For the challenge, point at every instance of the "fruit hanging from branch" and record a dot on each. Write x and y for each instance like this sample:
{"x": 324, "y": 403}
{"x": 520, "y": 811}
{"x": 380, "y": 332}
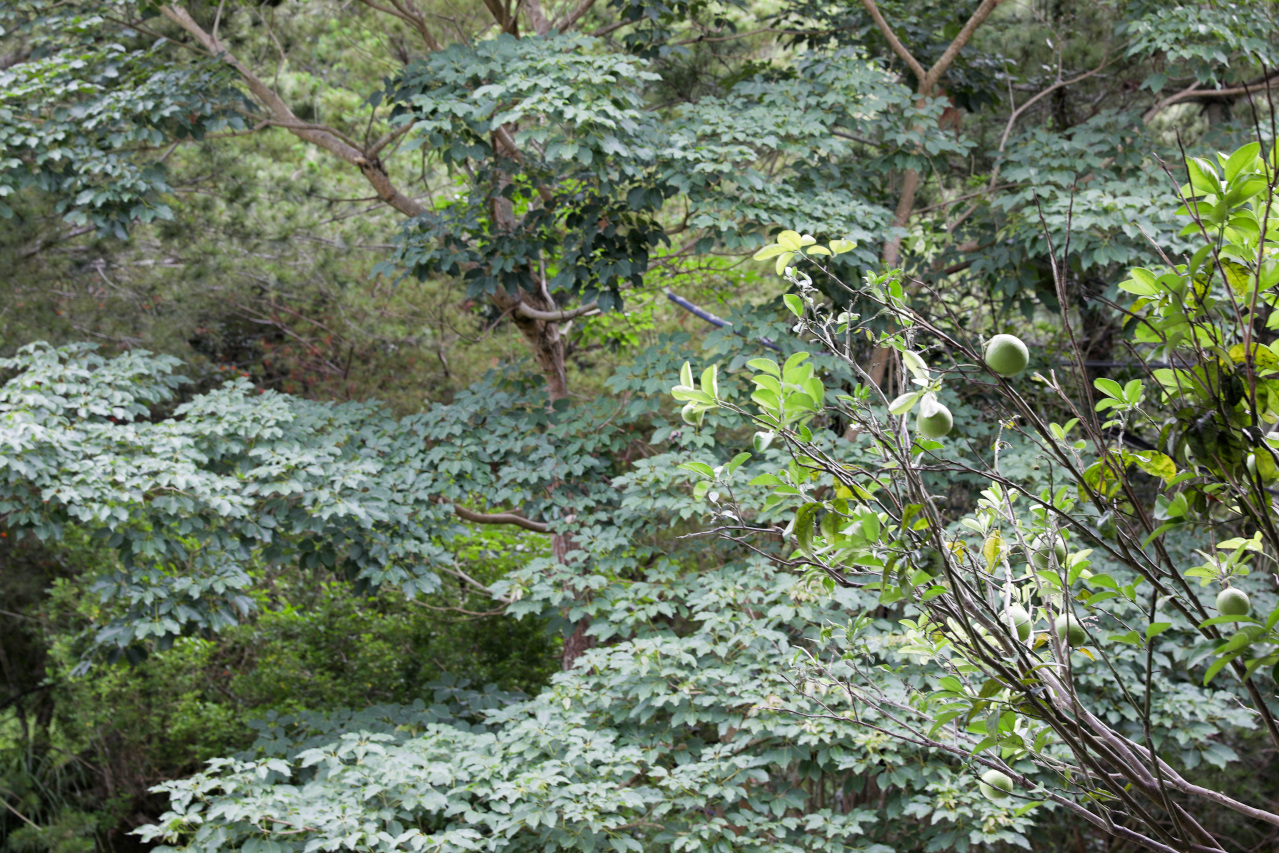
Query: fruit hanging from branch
{"x": 935, "y": 420}
{"x": 1007, "y": 355}
{"x": 995, "y": 785}
{"x": 1069, "y": 631}
{"x": 1019, "y": 618}
{"x": 1233, "y": 602}
{"x": 1039, "y": 552}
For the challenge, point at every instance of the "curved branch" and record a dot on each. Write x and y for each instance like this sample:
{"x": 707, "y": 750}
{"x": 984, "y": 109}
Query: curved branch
{"x": 894, "y": 42}
{"x": 563, "y": 24}
{"x": 525, "y": 310}
{"x": 410, "y": 16}
{"x": 500, "y": 518}
{"x": 327, "y": 138}
{"x": 943, "y": 62}
{"x": 1194, "y": 93}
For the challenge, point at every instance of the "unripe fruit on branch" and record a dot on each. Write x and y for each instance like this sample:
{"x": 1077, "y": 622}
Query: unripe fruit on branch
{"x": 1233, "y": 602}
{"x": 995, "y": 785}
{"x": 1020, "y": 620}
{"x": 935, "y": 420}
{"x": 1007, "y": 355}
{"x": 1069, "y": 631}
{"x": 1039, "y": 552}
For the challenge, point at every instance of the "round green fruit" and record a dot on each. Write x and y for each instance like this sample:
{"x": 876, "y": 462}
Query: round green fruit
{"x": 995, "y": 785}
{"x": 936, "y": 423}
{"x": 930, "y": 561}
{"x": 1069, "y": 631}
{"x": 1039, "y": 552}
{"x": 1233, "y": 602}
{"x": 1007, "y": 355}
{"x": 1020, "y": 620}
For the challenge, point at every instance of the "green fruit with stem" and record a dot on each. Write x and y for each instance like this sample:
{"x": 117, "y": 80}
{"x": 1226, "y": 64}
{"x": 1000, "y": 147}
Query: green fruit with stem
{"x": 1233, "y": 602}
{"x": 995, "y": 785}
{"x": 1069, "y": 631}
{"x": 1039, "y": 552}
{"x": 1007, "y": 355}
{"x": 935, "y": 420}
{"x": 1017, "y": 616}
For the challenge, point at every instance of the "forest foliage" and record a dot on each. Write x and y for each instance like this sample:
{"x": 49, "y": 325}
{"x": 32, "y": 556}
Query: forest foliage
{"x": 357, "y": 488}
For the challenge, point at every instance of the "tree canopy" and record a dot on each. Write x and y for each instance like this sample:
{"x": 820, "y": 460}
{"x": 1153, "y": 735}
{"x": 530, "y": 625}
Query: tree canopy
{"x": 338, "y": 446}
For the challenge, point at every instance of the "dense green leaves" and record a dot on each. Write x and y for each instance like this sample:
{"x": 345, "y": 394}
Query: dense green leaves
{"x": 86, "y": 122}
{"x": 234, "y": 475}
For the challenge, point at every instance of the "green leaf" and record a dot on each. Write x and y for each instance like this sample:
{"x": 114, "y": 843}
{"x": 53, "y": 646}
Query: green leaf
{"x": 1243, "y": 158}
{"x": 1218, "y": 665}
{"x": 790, "y": 241}
{"x": 767, "y": 365}
{"x": 770, "y": 251}
{"x": 805, "y": 528}
{"x": 699, "y": 468}
{"x": 903, "y": 404}
{"x": 795, "y": 304}
{"x": 1156, "y": 464}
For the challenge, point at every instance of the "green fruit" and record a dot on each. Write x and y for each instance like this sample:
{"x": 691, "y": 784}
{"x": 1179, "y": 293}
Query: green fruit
{"x": 935, "y": 423}
{"x": 1069, "y": 631}
{"x": 1039, "y": 552}
{"x": 1007, "y": 355}
{"x": 1020, "y": 620}
{"x": 1233, "y": 602}
{"x": 930, "y": 561}
{"x": 995, "y": 785}
{"x": 691, "y": 415}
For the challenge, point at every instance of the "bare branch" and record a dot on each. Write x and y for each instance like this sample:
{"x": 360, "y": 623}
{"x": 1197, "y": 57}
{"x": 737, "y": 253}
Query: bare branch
{"x": 389, "y": 138}
{"x": 410, "y": 16}
{"x": 327, "y": 138}
{"x": 1194, "y": 93}
{"x": 943, "y": 62}
{"x": 565, "y": 23}
{"x": 1016, "y": 114}
{"x": 500, "y": 518}
{"x": 894, "y": 42}
{"x": 524, "y": 309}
{"x": 536, "y": 17}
